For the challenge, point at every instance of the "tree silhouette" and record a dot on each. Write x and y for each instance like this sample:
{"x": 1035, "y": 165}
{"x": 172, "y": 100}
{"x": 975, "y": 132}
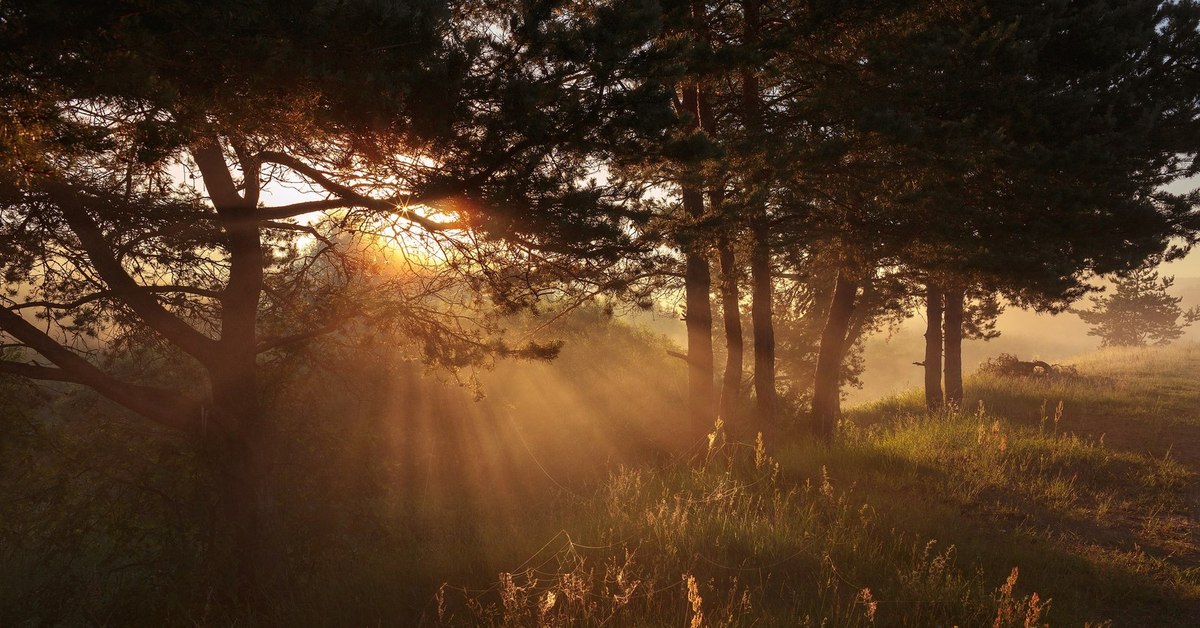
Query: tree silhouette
{"x": 1140, "y": 311}
{"x": 144, "y": 147}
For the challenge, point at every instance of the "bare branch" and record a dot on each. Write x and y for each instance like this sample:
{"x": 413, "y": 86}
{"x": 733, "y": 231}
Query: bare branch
{"x": 299, "y": 209}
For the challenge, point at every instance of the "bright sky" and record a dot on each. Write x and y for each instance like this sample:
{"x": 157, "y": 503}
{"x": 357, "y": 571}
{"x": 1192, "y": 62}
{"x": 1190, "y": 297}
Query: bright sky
{"x": 1189, "y": 266}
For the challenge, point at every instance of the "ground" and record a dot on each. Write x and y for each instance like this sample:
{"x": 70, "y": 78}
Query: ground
{"x": 561, "y": 500}
{"x": 1069, "y": 501}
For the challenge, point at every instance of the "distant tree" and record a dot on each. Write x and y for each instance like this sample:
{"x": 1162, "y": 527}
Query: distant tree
{"x": 1140, "y": 311}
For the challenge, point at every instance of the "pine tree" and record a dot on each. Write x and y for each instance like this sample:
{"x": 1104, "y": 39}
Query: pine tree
{"x": 1140, "y": 311}
{"x": 410, "y": 117}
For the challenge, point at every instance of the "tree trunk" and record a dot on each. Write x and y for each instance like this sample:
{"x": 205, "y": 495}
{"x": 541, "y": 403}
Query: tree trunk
{"x": 241, "y": 461}
{"x": 700, "y": 347}
{"x": 235, "y": 395}
{"x": 697, "y": 285}
{"x": 764, "y": 329}
{"x": 953, "y": 342}
{"x": 766, "y": 398}
{"x": 933, "y": 348}
{"x": 731, "y": 315}
{"x": 244, "y": 441}
{"x": 731, "y": 385}
{"x": 827, "y": 379}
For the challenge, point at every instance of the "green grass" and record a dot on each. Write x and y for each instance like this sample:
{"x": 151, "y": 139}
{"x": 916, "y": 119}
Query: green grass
{"x": 906, "y": 520}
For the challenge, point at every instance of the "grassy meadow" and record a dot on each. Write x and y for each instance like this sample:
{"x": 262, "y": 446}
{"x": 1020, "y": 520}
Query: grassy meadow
{"x": 1063, "y": 501}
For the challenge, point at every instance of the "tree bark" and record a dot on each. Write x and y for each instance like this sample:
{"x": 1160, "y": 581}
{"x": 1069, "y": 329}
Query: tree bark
{"x": 933, "y": 348}
{"x": 731, "y": 385}
{"x": 826, "y": 402}
{"x": 953, "y": 343}
{"x": 766, "y": 397}
{"x": 241, "y": 460}
{"x": 245, "y": 441}
{"x": 731, "y": 315}
{"x": 697, "y": 286}
{"x": 764, "y": 327}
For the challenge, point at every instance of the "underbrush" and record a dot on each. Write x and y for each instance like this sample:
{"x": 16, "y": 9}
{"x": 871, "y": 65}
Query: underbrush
{"x": 961, "y": 518}
{"x": 729, "y": 540}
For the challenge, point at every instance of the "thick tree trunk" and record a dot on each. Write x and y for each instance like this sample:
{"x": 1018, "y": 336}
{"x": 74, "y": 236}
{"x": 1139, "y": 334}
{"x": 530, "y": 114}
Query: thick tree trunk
{"x": 697, "y": 285}
{"x": 244, "y": 442}
{"x": 827, "y": 379}
{"x": 953, "y": 342}
{"x": 933, "y": 348}
{"x": 731, "y": 384}
{"x": 235, "y": 396}
{"x": 241, "y": 460}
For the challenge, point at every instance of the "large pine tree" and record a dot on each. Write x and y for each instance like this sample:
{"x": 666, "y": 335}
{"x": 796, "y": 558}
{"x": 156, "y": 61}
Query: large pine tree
{"x": 144, "y": 144}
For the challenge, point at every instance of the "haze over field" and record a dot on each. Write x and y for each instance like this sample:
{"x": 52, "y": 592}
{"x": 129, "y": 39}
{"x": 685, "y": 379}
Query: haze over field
{"x": 1029, "y": 335}
{"x": 1026, "y": 334}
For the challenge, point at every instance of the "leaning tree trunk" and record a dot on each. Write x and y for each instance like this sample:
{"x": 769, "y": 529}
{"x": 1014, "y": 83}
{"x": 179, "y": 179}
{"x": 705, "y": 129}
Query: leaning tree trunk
{"x": 953, "y": 342}
{"x": 933, "y": 348}
{"x": 697, "y": 285}
{"x": 826, "y": 381}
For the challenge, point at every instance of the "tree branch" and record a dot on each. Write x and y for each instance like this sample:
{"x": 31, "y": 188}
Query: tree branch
{"x": 395, "y": 205}
{"x": 96, "y": 296}
{"x": 166, "y": 407}
{"x": 35, "y": 371}
{"x": 299, "y": 209}
{"x": 143, "y": 303}
{"x": 217, "y": 179}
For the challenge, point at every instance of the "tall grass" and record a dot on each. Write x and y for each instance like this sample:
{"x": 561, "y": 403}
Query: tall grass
{"x": 1017, "y": 511}
{"x": 728, "y": 539}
